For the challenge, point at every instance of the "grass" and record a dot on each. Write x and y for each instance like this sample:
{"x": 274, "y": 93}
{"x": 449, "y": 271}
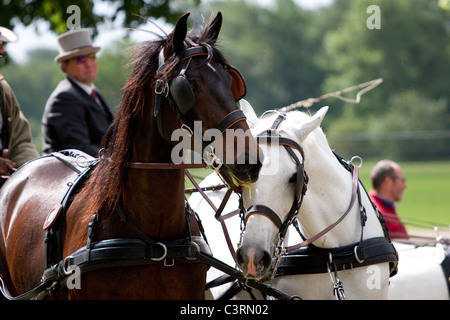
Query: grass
{"x": 427, "y": 196}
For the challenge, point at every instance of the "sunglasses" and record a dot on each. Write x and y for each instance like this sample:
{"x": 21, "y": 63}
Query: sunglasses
{"x": 82, "y": 59}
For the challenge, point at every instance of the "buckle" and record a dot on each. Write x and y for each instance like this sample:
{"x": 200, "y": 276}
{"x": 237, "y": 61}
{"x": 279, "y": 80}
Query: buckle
{"x": 162, "y": 87}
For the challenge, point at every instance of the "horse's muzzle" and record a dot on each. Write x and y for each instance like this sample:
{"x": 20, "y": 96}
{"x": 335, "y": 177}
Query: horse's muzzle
{"x": 243, "y": 172}
{"x": 254, "y": 263}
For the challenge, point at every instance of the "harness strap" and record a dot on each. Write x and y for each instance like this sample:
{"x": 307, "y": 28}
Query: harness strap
{"x": 149, "y": 241}
{"x": 282, "y": 141}
{"x": 132, "y": 252}
{"x": 157, "y": 165}
{"x": 312, "y": 259}
{"x": 230, "y": 120}
{"x": 119, "y": 253}
{"x": 67, "y": 163}
{"x": 195, "y": 51}
{"x": 327, "y": 229}
{"x": 265, "y": 211}
{"x": 53, "y": 247}
{"x": 223, "y": 204}
{"x": 35, "y": 293}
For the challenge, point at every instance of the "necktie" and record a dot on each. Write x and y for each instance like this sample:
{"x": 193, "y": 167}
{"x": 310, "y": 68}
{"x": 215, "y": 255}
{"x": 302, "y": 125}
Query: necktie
{"x": 94, "y": 94}
{"x": 99, "y": 103}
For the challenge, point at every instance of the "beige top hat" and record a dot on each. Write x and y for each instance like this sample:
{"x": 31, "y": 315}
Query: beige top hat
{"x": 75, "y": 43}
{"x": 7, "y": 35}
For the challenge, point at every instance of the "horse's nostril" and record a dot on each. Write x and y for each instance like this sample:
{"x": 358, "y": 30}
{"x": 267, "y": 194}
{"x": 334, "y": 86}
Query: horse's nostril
{"x": 266, "y": 260}
{"x": 239, "y": 258}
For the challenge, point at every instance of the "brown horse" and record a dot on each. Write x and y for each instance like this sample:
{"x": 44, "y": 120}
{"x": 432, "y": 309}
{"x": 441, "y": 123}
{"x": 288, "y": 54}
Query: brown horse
{"x": 127, "y": 176}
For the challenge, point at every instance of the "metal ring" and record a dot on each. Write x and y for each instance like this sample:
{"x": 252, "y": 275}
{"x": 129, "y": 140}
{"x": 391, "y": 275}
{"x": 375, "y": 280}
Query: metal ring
{"x": 357, "y": 158}
{"x": 84, "y": 163}
{"x": 163, "y": 256}
{"x": 356, "y": 254}
{"x": 100, "y": 153}
{"x": 197, "y": 247}
{"x": 162, "y": 87}
{"x": 187, "y": 128}
{"x": 63, "y": 267}
{"x": 213, "y": 161}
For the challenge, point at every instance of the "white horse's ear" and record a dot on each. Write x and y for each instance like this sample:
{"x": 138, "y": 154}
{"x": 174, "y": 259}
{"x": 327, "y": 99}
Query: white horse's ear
{"x": 307, "y": 127}
{"x": 252, "y": 118}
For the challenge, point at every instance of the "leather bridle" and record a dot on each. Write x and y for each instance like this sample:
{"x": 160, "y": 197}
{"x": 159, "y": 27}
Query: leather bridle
{"x": 272, "y": 137}
{"x": 171, "y": 91}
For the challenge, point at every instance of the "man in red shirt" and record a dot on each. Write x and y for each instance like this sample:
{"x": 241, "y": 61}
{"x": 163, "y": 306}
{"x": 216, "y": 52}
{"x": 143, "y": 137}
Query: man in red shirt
{"x": 389, "y": 182}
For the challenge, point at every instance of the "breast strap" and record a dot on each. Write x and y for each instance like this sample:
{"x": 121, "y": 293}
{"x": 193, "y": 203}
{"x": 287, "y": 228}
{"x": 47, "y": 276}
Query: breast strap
{"x": 312, "y": 259}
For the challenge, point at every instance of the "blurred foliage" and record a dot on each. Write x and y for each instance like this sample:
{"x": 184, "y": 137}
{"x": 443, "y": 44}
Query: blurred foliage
{"x": 287, "y": 53}
{"x": 55, "y": 11}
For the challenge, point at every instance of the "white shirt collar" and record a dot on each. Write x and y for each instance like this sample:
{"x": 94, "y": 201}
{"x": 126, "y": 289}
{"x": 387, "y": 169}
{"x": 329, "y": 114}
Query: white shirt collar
{"x": 84, "y": 86}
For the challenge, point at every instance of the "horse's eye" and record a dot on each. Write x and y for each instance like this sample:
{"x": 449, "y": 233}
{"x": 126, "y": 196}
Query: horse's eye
{"x": 194, "y": 84}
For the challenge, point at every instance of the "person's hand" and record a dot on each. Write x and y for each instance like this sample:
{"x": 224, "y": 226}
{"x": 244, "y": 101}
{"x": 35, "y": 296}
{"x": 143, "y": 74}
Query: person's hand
{"x": 5, "y": 166}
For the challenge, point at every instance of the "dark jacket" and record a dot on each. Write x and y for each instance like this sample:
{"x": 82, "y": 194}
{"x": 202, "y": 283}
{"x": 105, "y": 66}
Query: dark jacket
{"x": 74, "y": 120}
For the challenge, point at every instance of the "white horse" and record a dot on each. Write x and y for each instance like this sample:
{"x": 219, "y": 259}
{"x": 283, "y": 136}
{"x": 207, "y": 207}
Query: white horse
{"x": 329, "y": 195}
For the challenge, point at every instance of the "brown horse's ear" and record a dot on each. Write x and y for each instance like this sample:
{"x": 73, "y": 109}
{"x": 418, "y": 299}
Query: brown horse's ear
{"x": 179, "y": 33}
{"x": 211, "y": 32}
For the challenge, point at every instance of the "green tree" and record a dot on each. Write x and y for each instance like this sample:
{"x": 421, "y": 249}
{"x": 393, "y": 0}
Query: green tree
{"x": 415, "y": 128}
{"x": 274, "y": 48}
{"x": 411, "y": 53}
{"x": 55, "y": 11}
{"x": 410, "y": 50}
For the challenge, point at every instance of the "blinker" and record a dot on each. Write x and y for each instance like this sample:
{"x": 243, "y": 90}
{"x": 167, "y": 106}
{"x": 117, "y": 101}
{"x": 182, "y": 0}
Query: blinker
{"x": 182, "y": 93}
{"x": 181, "y": 89}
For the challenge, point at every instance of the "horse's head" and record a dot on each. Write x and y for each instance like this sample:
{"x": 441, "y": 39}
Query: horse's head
{"x": 273, "y": 201}
{"x": 196, "y": 84}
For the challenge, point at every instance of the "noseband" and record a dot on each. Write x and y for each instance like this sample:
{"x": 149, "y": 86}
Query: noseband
{"x": 301, "y": 183}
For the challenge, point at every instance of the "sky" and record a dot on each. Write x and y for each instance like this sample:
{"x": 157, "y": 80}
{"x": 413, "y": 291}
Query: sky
{"x": 30, "y": 39}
